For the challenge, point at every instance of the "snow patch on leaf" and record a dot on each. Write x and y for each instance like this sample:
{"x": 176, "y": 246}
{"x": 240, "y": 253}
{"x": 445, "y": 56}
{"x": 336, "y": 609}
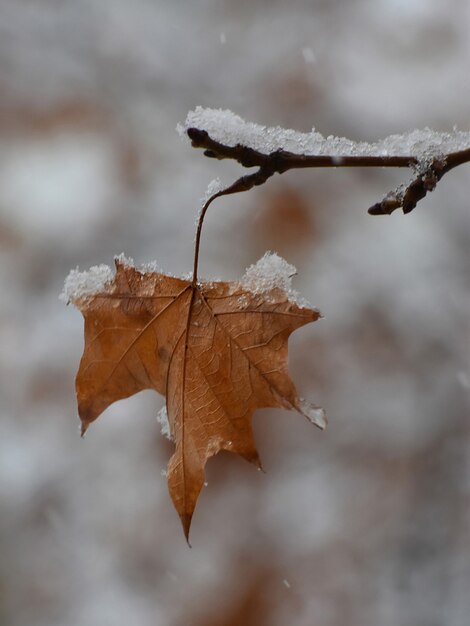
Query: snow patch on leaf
{"x": 272, "y": 272}
{"x": 98, "y": 278}
{"x": 151, "y": 266}
{"x": 162, "y": 419}
{"x": 82, "y": 284}
{"x": 127, "y": 261}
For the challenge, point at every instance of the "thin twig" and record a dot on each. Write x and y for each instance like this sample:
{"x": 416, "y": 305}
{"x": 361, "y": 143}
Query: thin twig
{"x": 281, "y": 161}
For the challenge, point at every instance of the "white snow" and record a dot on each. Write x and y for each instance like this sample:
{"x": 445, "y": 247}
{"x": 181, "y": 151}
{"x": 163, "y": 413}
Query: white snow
{"x": 230, "y": 129}
{"x": 272, "y": 272}
{"x": 96, "y": 280}
{"x": 81, "y": 284}
{"x": 267, "y": 273}
{"x": 162, "y": 419}
{"x": 127, "y": 261}
{"x": 212, "y": 188}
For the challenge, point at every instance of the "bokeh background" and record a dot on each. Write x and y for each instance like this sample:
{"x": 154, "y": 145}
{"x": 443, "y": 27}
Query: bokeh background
{"x": 367, "y": 524}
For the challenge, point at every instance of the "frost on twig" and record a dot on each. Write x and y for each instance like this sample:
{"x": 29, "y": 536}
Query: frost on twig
{"x": 224, "y": 135}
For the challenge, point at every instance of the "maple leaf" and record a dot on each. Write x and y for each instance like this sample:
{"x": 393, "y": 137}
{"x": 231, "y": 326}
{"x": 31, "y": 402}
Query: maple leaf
{"x": 215, "y": 350}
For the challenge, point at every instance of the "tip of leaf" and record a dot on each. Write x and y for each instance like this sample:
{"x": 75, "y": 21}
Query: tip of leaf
{"x": 259, "y": 465}
{"x": 83, "y": 429}
{"x": 186, "y": 522}
{"x": 251, "y": 455}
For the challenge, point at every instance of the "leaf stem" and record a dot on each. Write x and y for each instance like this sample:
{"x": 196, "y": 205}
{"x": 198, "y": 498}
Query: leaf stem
{"x": 197, "y": 242}
{"x": 244, "y": 183}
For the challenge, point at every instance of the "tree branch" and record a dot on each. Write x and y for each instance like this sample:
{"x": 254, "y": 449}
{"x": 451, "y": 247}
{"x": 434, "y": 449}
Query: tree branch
{"x": 427, "y": 174}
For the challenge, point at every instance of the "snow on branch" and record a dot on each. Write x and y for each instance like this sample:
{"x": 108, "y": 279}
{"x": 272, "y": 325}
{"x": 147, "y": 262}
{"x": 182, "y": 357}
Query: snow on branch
{"x": 224, "y": 135}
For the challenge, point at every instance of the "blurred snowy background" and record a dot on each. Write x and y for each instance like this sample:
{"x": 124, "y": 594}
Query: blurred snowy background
{"x": 367, "y": 524}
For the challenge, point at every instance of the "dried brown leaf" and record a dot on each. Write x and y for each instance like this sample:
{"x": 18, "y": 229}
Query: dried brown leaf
{"x": 215, "y": 350}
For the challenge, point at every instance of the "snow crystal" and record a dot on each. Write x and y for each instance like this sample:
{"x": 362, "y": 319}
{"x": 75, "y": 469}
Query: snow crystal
{"x": 314, "y": 414}
{"x": 212, "y": 188}
{"x": 230, "y": 129}
{"x": 162, "y": 419}
{"x": 269, "y": 272}
{"x": 272, "y": 272}
{"x": 151, "y": 266}
{"x": 286, "y": 583}
{"x": 81, "y": 284}
{"x": 98, "y": 278}
{"x": 127, "y": 261}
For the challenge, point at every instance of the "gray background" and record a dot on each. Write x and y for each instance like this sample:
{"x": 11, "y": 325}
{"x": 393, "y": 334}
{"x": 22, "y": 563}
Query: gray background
{"x": 366, "y": 524}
